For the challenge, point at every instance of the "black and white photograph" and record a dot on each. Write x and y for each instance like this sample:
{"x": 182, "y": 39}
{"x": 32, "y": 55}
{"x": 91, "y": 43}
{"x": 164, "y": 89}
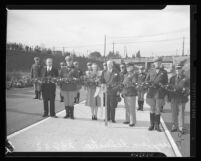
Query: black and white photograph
{"x": 99, "y": 81}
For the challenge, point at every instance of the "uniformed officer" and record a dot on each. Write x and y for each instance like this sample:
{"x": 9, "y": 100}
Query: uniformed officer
{"x": 112, "y": 80}
{"x": 79, "y": 85}
{"x": 130, "y": 93}
{"x": 178, "y": 101}
{"x": 49, "y": 88}
{"x": 62, "y": 65}
{"x": 104, "y": 70}
{"x": 122, "y": 74}
{"x": 69, "y": 87}
{"x": 155, "y": 95}
{"x": 35, "y": 74}
{"x": 140, "y": 89}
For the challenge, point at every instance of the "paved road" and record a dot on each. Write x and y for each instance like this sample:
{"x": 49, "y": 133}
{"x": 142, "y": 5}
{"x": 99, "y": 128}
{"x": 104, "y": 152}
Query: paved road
{"x": 182, "y": 141}
{"x": 23, "y": 110}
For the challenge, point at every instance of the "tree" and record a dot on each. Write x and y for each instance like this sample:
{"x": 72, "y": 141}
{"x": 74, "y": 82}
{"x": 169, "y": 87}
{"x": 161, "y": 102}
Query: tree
{"x": 138, "y": 54}
{"x": 112, "y": 55}
{"x": 95, "y": 55}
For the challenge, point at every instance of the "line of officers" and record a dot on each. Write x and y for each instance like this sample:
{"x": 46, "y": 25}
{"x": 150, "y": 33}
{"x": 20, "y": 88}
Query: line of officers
{"x": 117, "y": 83}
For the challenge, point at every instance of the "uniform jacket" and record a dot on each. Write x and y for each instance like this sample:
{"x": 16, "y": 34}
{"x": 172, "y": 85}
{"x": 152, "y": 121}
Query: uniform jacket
{"x": 69, "y": 72}
{"x": 129, "y": 79}
{"x": 156, "y": 78}
{"x": 140, "y": 79}
{"x": 112, "y": 80}
{"x": 179, "y": 84}
{"x": 36, "y": 71}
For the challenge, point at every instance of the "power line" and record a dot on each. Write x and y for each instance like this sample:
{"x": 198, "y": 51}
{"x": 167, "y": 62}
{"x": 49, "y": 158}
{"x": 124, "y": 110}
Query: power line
{"x": 149, "y": 41}
{"x": 82, "y": 46}
{"x": 164, "y": 33}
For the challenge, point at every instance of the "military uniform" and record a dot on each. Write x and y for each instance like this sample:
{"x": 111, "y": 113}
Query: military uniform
{"x": 178, "y": 101}
{"x": 61, "y": 66}
{"x": 155, "y": 95}
{"x": 130, "y": 92}
{"x": 36, "y": 74}
{"x": 69, "y": 89}
{"x": 79, "y": 85}
{"x": 112, "y": 81}
{"x": 141, "y": 91}
{"x": 122, "y": 74}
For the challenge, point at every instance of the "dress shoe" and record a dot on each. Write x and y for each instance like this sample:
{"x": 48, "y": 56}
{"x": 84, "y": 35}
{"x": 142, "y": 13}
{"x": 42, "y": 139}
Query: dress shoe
{"x": 54, "y": 116}
{"x": 126, "y": 122}
{"x": 173, "y": 129}
{"x": 113, "y": 121}
{"x": 45, "y": 115}
{"x": 95, "y": 118}
{"x": 131, "y": 125}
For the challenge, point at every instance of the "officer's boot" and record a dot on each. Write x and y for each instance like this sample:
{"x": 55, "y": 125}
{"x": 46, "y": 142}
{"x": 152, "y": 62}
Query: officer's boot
{"x": 157, "y": 123}
{"x": 36, "y": 95}
{"x": 67, "y": 112}
{"x": 72, "y": 112}
{"x": 138, "y": 105}
{"x": 142, "y": 105}
{"x": 152, "y": 118}
{"x": 39, "y": 95}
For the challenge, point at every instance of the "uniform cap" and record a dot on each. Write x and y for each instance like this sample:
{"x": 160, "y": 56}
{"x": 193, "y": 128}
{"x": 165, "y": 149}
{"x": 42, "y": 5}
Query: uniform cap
{"x": 104, "y": 64}
{"x": 36, "y": 58}
{"x": 88, "y": 64}
{"x": 62, "y": 63}
{"x": 179, "y": 65}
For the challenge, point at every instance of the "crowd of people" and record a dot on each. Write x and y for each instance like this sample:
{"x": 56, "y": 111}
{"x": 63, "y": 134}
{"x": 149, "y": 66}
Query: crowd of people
{"x": 130, "y": 84}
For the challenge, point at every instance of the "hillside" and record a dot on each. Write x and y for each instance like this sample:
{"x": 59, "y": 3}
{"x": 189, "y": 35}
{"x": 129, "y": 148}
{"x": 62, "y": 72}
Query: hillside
{"x": 22, "y": 61}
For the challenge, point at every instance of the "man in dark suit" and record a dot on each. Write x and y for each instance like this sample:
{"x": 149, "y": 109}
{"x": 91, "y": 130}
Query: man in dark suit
{"x": 112, "y": 80}
{"x": 36, "y": 74}
{"x": 49, "y": 88}
{"x": 156, "y": 94}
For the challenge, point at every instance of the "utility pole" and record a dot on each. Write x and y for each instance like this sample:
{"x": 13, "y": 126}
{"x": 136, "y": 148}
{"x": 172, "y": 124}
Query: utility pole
{"x": 183, "y": 47}
{"x": 113, "y": 47}
{"x": 63, "y": 51}
{"x": 105, "y": 47}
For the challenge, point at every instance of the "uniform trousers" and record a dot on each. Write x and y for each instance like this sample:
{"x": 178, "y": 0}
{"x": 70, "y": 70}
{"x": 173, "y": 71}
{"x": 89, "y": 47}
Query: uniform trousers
{"x": 177, "y": 108}
{"x": 140, "y": 94}
{"x": 155, "y": 103}
{"x": 68, "y": 97}
{"x": 130, "y": 104}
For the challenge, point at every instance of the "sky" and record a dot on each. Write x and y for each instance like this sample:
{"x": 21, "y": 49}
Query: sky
{"x": 153, "y": 32}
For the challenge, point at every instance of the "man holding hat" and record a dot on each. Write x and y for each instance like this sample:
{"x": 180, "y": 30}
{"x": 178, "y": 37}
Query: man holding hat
{"x": 130, "y": 92}
{"x": 122, "y": 74}
{"x": 35, "y": 74}
{"x": 69, "y": 87}
{"x": 179, "y": 82}
{"x": 155, "y": 95}
{"x": 140, "y": 89}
